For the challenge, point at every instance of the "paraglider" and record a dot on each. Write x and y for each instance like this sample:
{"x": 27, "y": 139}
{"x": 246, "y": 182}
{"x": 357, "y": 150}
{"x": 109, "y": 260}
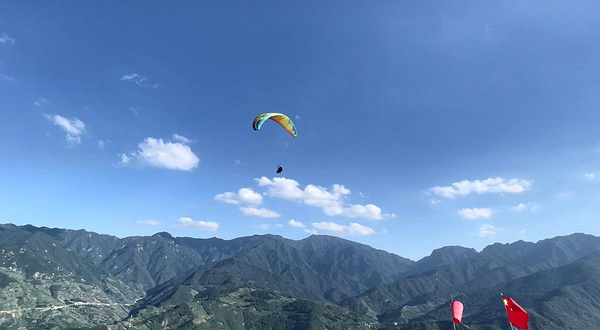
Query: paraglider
{"x": 283, "y": 120}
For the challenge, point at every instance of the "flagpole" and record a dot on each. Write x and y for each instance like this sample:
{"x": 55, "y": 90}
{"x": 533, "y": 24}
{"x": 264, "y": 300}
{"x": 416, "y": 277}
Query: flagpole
{"x": 506, "y": 310}
{"x": 511, "y": 326}
{"x": 451, "y": 301}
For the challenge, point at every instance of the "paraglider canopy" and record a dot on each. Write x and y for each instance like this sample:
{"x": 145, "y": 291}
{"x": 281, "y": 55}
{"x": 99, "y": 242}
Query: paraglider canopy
{"x": 283, "y": 120}
{"x": 457, "y": 311}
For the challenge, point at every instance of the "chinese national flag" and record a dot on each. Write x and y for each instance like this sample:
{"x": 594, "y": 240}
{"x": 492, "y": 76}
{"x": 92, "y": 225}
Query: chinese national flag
{"x": 517, "y": 316}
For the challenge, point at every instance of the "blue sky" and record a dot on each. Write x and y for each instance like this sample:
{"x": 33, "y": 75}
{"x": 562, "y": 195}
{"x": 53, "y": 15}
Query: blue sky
{"x": 391, "y": 100}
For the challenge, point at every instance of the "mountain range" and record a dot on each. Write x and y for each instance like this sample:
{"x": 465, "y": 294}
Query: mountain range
{"x": 54, "y": 278}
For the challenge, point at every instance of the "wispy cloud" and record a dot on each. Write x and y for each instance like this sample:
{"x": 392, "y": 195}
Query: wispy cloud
{"x": 296, "y": 224}
{"x": 134, "y": 111}
{"x": 147, "y": 223}
{"x": 181, "y": 139}
{"x": 434, "y": 201}
{"x": 5, "y": 39}
{"x": 331, "y": 201}
{"x": 243, "y": 196}
{"x": 475, "y": 213}
{"x": 41, "y": 101}
{"x": 297, "y": 117}
{"x": 189, "y": 223}
{"x": 354, "y": 229}
{"x": 488, "y": 230}
{"x": 532, "y": 207}
{"x": 130, "y": 76}
{"x": 590, "y": 176}
{"x": 522, "y": 232}
{"x": 491, "y": 185}
{"x": 6, "y": 78}
{"x": 565, "y": 194}
{"x": 139, "y": 80}
{"x": 73, "y": 127}
{"x": 262, "y": 226}
{"x": 158, "y": 153}
{"x": 259, "y": 212}
{"x": 101, "y": 144}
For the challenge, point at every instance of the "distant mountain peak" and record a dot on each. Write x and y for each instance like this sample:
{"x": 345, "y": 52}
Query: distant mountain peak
{"x": 163, "y": 234}
{"x": 454, "y": 250}
{"x": 503, "y": 248}
{"x": 443, "y": 256}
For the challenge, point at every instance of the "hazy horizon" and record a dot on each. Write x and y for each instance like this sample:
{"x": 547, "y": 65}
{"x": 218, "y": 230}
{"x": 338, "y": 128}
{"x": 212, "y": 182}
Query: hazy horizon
{"x": 345, "y": 238}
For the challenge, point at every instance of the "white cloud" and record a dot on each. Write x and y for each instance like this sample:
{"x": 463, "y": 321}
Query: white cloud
{"x": 532, "y": 207}
{"x": 243, "y": 196}
{"x": 6, "y": 39}
{"x": 491, "y": 185}
{"x": 125, "y": 160}
{"x": 157, "y": 153}
{"x": 297, "y": 117}
{"x": 332, "y": 202}
{"x": 263, "y": 226}
{"x": 368, "y": 211}
{"x": 130, "y": 76}
{"x": 296, "y": 224}
{"x": 237, "y": 161}
{"x": 278, "y": 225}
{"x": 101, "y": 144}
{"x": 147, "y": 223}
{"x": 73, "y": 127}
{"x": 522, "y": 232}
{"x": 311, "y": 231}
{"x": 181, "y": 139}
{"x": 7, "y": 78}
{"x": 134, "y": 110}
{"x": 261, "y": 212}
{"x": 475, "y": 213}
{"x": 354, "y": 229}
{"x": 140, "y": 80}
{"x": 40, "y": 101}
{"x": 590, "y": 176}
{"x": 183, "y": 223}
{"x": 434, "y": 201}
{"x": 488, "y": 230}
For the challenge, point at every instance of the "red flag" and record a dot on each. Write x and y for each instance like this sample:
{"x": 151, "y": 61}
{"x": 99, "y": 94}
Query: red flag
{"x": 517, "y": 316}
{"x": 457, "y": 310}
